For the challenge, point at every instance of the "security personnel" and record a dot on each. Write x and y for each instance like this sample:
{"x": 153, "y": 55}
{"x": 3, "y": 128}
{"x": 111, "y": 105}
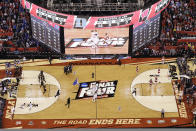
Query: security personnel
{"x": 162, "y": 113}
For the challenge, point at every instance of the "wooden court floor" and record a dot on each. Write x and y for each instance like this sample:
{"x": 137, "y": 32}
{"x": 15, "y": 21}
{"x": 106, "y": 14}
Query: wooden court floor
{"x": 122, "y": 105}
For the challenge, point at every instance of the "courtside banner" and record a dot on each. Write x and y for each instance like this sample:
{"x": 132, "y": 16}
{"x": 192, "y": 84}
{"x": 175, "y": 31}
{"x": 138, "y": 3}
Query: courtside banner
{"x": 85, "y": 22}
{"x": 103, "y": 88}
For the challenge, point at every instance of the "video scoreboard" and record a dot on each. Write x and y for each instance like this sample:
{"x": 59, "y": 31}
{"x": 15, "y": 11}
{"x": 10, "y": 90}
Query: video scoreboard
{"x": 46, "y": 33}
{"x": 145, "y": 32}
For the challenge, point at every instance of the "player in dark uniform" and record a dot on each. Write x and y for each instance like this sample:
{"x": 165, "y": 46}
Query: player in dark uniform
{"x": 93, "y": 74}
{"x": 42, "y": 80}
{"x": 57, "y": 93}
{"x": 68, "y": 102}
{"x": 134, "y": 91}
{"x": 65, "y": 69}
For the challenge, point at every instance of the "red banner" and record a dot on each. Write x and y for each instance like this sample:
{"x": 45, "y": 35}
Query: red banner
{"x": 85, "y": 22}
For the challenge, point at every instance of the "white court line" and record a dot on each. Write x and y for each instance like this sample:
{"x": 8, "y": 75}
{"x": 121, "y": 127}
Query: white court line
{"x": 31, "y": 77}
{"x": 155, "y": 102}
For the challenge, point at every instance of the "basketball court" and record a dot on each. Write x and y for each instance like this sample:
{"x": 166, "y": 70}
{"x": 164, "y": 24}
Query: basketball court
{"x": 147, "y": 103}
{"x": 124, "y": 104}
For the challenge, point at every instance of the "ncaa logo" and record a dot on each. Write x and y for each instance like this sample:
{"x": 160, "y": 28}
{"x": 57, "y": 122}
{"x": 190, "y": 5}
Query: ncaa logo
{"x": 84, "y": 85}
{"x": 102, "y": 88}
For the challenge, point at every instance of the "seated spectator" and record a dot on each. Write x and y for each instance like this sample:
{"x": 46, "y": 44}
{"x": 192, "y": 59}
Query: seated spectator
{"x": 178, "y": 16}
{"x": 15, "y": 26}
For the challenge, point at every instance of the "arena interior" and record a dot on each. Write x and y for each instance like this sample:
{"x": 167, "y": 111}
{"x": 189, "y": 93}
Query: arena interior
{"x": 97, "y": 64}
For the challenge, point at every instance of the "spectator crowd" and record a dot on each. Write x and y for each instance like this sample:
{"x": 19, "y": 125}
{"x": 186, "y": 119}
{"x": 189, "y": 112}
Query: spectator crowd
{"x": 187, "y": 84}
{"x": 16, "y": 35}
{"x": 15, "y": 28}
{"x": 2, "y": 106}
{"x": 179, "y": 16}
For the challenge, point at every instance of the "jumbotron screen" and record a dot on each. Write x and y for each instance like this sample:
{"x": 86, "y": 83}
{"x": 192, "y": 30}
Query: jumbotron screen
{"x": 145, "y": 32}
{"x": 46, "y": 33}
{"x": 97, "y": 41}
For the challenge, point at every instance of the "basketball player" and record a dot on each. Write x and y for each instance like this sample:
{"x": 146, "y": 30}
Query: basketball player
{"x": 94, "y": 89}
{"x": 95, "y": 96}
{"x": 137, "y": 68}
{"x": 30, "y": 106}
{"x": 41, "y": 78}
{"x": 151, "y": 87}
{"x": 159, "y": 70}
{"x": 44, "y": 87}
{"x": 134, "y": 91}
{"x": 156, "y": 79}
{"x": 57, "y": 93}
{"x": 150, "y": 82}
{"x": 68, "y": 102}
{"x": 93, "y": 74}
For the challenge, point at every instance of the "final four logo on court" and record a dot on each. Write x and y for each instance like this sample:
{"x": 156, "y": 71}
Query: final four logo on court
{"x": 103, "y": 88}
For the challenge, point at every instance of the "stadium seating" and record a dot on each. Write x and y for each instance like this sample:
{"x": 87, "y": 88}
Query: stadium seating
{"x": 15, "y": 28}
{"x": 178, "y": 26}
{"x": 2, "y": 106}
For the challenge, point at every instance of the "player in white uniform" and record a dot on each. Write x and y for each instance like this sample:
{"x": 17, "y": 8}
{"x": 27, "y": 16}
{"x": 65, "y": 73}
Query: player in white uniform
{"x": 95, "y": 96}
{"x": 94, "y": 89}
{"x": 150, "y": 83}
{"x": 30, "y": 106}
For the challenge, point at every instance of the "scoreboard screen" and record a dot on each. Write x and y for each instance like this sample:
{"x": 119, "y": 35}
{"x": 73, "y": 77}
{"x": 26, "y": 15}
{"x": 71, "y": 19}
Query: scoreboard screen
{"x": 98, "y": 41}
{"x": 46, "y": 33}
{"x": 145, "y": 32}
